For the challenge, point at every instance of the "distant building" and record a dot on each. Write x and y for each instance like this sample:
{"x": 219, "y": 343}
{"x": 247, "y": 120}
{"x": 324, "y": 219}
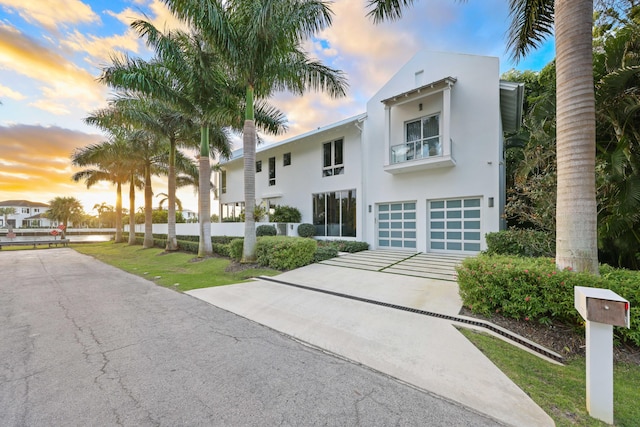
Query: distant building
{"x": 27, "y": 214}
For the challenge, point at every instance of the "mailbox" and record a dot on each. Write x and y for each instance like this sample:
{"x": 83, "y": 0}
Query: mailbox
{"x": 602, "y": 306}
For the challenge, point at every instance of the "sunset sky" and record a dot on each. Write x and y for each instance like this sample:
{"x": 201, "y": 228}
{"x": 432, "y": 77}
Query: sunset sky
{"x": 51, "y": 52}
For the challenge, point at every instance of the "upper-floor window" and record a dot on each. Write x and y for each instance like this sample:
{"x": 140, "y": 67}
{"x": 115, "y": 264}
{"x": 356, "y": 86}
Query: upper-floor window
{"x": 272, "y": 171}
{"x": 259, "y": 166}
{"x": 223, "y": 181}
{"x": 286, "y": 159}
{"x": 36, "y": 210}
{"x": 332, "y": 158}
{"x": 25, "y": 210}
{"x": 422, "y": 140}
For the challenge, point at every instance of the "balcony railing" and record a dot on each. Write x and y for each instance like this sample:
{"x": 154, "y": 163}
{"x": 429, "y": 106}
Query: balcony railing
{"x": 424, "y": 149}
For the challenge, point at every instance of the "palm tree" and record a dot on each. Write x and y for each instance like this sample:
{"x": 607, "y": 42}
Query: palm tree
{"x": 190, "y": 75}
{"x": 531, "y": 22}
{"x": 65, "y": 210}
{"x": 262, "y": 44}
{"x": 139, "y": 110}
{"x": 109, "y": 161}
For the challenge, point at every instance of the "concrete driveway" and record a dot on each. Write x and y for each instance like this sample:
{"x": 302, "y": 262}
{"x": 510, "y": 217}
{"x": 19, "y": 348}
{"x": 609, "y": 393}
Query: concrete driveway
{"x": 426, "y": 352}
{"x": 85, "y": 344}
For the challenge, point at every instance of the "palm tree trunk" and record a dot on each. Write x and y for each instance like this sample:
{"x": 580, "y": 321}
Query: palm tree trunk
{"x": 132, "y": 211}
{"x": 119, "y": 238}
{"x": 576, "y": 214}
{"x": 205, "y": 248}
{"x": 148, "y": 209}
{"x": 249, "y": 153}
{"x": 172, "y": 241}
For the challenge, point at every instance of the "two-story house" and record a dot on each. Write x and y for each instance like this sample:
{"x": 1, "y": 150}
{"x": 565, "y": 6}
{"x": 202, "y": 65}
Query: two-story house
{"x": 422, "y": 169}
{"x": 26, "y": 214}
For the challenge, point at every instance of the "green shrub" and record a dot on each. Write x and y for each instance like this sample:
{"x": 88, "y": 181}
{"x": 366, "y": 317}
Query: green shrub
{"x": 306, "y": 230}
{"x": 188, "y": 246}
{"x": 220, "y": 249}
{"x": 285, "y": 253}
{"x": 323, "y": 253}
{"x": 222, "y": 239}
{"x": 522, "y": 242}
{"x": 235, "y": 249}
{"x": 285, "y": 214}
{"x": 533, "y": 289}
{"x": 266, "y": 230}
{"x": 345, "y": 245}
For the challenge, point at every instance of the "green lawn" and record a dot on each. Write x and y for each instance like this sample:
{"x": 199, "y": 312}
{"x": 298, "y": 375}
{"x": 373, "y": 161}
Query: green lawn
{"x": 176, "y": 270}
{"x": 560, "y": 390}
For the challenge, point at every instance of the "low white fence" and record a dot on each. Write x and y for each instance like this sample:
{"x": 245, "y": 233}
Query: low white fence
{"x": 219, "y": 228}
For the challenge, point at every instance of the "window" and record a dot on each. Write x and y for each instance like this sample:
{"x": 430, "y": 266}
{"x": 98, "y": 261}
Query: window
{"x": 231, "y": 212}
{"x": 223, "y": 182}
{"x": 259, "y": 166}
{"x": 422, "y": 140}
{"x": 25, "y": 210}
{"x": 286, "y": 159}
{"x": 334, "y": 213}
{"x": 36, "y": 210}
{"x": 272, "y": 171}
{"x": 332, "y": 158}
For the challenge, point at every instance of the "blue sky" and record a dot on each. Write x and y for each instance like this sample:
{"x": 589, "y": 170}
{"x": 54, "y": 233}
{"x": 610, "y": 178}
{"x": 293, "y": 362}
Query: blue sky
{"x": 51, "y": 51}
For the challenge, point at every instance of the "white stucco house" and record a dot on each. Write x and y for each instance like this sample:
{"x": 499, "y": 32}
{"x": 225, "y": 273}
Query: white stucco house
{"x": 27, "y": 214}
{"x": 422, "y": 169}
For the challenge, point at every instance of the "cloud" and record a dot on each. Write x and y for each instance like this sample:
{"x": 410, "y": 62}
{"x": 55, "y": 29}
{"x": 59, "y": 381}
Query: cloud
{"x": 51, "y": 14}
{"x": 10, "y": 93}
{"x": 37, "y": 156}
{"x": 160, "y": 16}
{"x": 62, "y": 81}
{"x": 101, "y": 49}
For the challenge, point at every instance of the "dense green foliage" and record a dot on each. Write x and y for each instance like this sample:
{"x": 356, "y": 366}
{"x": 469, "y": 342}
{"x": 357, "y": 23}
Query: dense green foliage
{"x": 306, "y": 230}
{"x": 285, "y": 253}
{"x": 266, "y": 230}
{"x": 235, "y": 249}
{"x": 533, "y": 289}
{"x": 324, "y": 252}
{"x": 531, "y": 154}
{"x": 523, "y": 242}
{"x": 345, "y": 245}
{"x": 285, "y": 214}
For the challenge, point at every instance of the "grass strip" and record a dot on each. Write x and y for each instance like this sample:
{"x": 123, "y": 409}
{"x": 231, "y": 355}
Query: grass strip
{"x": 176, "y": 270}
{"x": 561, "y": 390}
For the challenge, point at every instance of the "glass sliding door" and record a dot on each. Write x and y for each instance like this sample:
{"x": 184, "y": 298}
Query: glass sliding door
{"x": 334, "y": 213}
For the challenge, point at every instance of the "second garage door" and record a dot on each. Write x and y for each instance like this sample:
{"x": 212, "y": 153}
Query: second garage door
{"x": 455, "y": 225}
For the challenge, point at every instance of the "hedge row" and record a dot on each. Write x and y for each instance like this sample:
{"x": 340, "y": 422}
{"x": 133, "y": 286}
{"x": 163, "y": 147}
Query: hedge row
{"x": 533, "y": 289}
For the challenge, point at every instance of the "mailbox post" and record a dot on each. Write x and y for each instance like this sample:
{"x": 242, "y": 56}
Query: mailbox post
{"x": 602, "y": 309}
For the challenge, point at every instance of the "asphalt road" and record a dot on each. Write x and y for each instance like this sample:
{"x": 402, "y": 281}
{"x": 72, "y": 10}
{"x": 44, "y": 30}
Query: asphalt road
{"x": 84, "y": 344}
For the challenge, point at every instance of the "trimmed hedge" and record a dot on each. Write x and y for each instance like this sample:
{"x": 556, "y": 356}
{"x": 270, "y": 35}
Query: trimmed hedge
{"x": 324, "y": 253}
{"x": 533, "y": 289}
{"x": 285, "y": 214}
{"x": 235, "y": 249}
{"x": 524, "y": 242}
{"x": 285, "y": 253}
{"x": 266, "y": 230}
{"x": 306, "y": 230}
{"x": 345, "y": 245}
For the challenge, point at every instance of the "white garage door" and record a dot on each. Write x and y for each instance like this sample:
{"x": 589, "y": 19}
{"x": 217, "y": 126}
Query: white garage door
{"x": 397, "y": 225}
{"x": 454, "y": 225}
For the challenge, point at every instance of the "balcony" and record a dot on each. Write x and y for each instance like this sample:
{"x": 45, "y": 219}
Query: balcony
{"x": 418, "y": 155}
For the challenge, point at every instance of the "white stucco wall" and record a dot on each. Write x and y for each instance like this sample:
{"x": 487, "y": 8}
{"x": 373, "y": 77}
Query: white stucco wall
{"x": 475, "y": 135}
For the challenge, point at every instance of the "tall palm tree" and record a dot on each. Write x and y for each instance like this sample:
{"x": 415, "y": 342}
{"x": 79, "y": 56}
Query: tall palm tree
{"x": 261, "y": 41}
{"x": 109, "y": 162}
{"x": 160, "y": 118}
{"x": 5, "y": 212}
{"x": 188, "y": 73}
{"x": 531, "y": 22}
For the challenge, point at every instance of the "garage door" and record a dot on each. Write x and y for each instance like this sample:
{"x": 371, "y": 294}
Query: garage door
{"x": 454, "y": 225}
{"x": 397, "y": 225}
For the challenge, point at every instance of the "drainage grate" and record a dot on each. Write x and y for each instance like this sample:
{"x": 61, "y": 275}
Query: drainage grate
{"x": 506, "y": 334}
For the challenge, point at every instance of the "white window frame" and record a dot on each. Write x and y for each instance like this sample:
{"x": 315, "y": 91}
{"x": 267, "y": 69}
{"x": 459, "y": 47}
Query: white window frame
{"x": 333, "y": 168}
{"x": 415, "y": 150}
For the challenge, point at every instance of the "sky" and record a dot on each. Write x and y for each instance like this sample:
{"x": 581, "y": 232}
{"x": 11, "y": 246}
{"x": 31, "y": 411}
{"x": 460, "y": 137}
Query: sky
{"x": 52, "y": 51}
